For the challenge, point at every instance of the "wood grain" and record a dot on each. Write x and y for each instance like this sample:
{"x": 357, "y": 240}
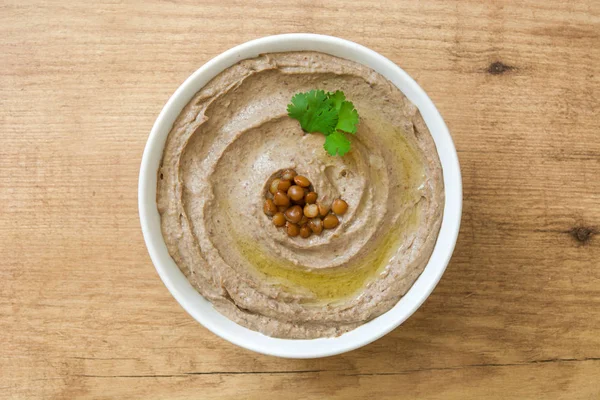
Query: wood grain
{"x": 83, "y": 313}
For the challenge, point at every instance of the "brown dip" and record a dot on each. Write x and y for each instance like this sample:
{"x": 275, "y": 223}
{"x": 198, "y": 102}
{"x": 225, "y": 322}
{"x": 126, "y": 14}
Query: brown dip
{"x": 223, "y": 150}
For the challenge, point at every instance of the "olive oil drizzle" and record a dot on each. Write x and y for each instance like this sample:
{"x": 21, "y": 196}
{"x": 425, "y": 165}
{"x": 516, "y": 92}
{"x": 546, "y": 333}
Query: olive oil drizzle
{"x": 336, "y": 284}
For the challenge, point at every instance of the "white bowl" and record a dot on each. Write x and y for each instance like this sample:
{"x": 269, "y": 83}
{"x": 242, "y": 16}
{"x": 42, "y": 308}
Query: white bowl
{"x": 201, "y": 309}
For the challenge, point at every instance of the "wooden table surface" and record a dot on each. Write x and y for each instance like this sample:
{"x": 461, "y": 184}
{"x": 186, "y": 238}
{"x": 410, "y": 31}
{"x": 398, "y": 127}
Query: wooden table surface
{"x": 83, "y": 314}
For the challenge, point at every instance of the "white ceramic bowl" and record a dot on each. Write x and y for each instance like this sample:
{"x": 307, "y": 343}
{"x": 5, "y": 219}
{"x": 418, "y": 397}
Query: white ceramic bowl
{"x": 201, "y": 309}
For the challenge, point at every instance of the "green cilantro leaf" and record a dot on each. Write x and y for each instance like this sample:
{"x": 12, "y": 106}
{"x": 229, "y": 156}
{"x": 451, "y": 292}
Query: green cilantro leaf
{"x": 348, "y": 118}
{"x": 338, "y": 143}
{"x": 338, "y": 98}
{"x": 315, "y": 112}
{"x": 328, "y": 113}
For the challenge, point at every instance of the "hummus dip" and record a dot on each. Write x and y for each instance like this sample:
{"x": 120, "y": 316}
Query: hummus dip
{"x": 235, "y": 135}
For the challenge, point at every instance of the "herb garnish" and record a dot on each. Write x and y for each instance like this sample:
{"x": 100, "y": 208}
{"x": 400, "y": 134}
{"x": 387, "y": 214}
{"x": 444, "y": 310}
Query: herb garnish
{"x": 328, "y": 113}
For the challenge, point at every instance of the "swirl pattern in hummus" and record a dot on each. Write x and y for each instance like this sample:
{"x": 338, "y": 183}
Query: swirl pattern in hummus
{"x": 223, "y": 150}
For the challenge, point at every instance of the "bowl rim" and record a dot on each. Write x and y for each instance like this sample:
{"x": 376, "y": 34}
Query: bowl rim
{"x": 202, "y": 310}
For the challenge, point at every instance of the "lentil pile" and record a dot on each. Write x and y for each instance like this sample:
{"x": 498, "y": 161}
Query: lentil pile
{"x": 292, "y": 204}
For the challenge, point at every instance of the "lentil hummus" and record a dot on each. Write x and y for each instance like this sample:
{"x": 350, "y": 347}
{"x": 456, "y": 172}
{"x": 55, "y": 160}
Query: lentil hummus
{"x": 229, "y": 142}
